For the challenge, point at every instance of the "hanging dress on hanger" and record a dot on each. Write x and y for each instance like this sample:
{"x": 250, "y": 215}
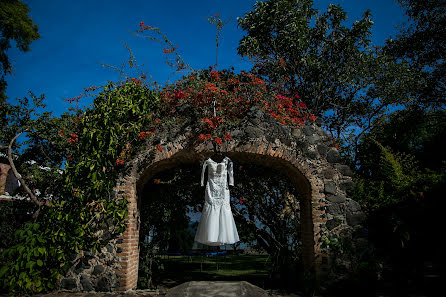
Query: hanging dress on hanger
{"x": 217, "y": 226}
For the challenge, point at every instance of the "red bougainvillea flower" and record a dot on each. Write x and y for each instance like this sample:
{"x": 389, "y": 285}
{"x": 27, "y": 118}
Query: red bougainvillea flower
{"x": 179, "y": 94}
{"x": 73, "y": 139}
{"x": 73, "y": 99}
{"x": 214, "y": 75}
{"x": 211, "y": 88}
{"x": 312, "y": 117}
{"x": 156, "y": 181}
{"x": 233, "y": 81}
{"x": 241, "y": 200}
{"x": 210, "y": 124}
{"x": 92, "y": 88}
{"x": 119, "y": 162}
{"x": 142, "y": 135}
{"x": 143, "y": 26}
{"x": 217, "y": 140}
{"x": 229, "y": 97}
{"x": 169, "y": 50}
{"x": 157, "y": 121}
{"x": 136, "y": 81}
{"x": 213, "y": 122}
{"x": 282, "y": 62}
{"x": 159, "y": 147}
{"x": 69, "y": 157}
{"x": 333, "y": 141}
{"x": 62, "y": 132}
{"x": 204, "y": 137}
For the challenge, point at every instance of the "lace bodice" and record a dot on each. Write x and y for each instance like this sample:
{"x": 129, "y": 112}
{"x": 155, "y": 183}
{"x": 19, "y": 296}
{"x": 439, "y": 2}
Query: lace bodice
{"x": 217, "y": 172}
{"x": 217, "y": 184}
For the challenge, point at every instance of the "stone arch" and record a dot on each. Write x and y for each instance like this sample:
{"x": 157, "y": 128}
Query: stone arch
{"x": 307, "y": 155}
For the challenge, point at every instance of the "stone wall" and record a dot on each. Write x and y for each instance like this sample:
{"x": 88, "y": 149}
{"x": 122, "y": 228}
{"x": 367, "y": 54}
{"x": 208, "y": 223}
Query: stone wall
{"x": 307, "y": 155}
{"x": 94, "y": 272}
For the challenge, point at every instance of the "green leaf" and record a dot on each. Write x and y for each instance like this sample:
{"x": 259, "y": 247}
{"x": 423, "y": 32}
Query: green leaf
{"x": 42, "y": 250}
{"x": 3, "y": 270}
{"x": 28, "y": 284}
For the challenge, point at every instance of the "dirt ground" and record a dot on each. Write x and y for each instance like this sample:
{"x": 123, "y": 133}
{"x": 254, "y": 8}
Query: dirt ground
{"x": 128, "y": 294}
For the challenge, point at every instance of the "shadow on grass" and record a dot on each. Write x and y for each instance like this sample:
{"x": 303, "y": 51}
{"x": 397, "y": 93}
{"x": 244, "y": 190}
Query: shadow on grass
{"x": 250, "y": 268}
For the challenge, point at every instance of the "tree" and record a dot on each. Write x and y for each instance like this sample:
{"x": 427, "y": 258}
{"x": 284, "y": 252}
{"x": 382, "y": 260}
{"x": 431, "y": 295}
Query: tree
{"x": 421, "y": 42}
{"x": 404, "y": 201}
{"x": 401, "y": 169}
{"x": 17, "y": 26}
{"x": 412, "y": 131}
{"x": 43, "y": 150}
{"x": 400, "y": 179}
{"x": 267, "y": 208}
{"x": 334, "y": 68}
{"x": 165, "y": 201}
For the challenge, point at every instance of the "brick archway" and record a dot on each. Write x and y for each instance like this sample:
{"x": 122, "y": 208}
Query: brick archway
{"x": 307, "y": 155}
{"x": 307, "y": 174}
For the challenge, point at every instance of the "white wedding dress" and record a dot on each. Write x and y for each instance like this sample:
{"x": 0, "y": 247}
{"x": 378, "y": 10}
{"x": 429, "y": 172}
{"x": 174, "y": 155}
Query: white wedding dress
{"x": 217, "y": 226}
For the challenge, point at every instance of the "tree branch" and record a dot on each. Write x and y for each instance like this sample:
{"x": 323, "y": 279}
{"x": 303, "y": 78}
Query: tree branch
{"x": 260, "y": 234}
{"x": 19, "y": 177}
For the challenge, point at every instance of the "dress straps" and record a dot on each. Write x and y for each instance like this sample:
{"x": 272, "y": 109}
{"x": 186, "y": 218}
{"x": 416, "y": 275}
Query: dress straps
{"x": 202, "y": 172}
{"x": 230, "y": 171}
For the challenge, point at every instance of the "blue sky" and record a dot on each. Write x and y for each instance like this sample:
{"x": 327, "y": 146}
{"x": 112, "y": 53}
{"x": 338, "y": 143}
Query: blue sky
{"x": 77, "y": 36}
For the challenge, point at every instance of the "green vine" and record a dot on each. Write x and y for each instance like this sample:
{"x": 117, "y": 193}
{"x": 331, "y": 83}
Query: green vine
{"x": 97, "y": 144}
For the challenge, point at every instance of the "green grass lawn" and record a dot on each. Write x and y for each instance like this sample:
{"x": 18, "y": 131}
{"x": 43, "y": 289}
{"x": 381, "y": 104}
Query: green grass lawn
{"x": 179, "y": 269}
